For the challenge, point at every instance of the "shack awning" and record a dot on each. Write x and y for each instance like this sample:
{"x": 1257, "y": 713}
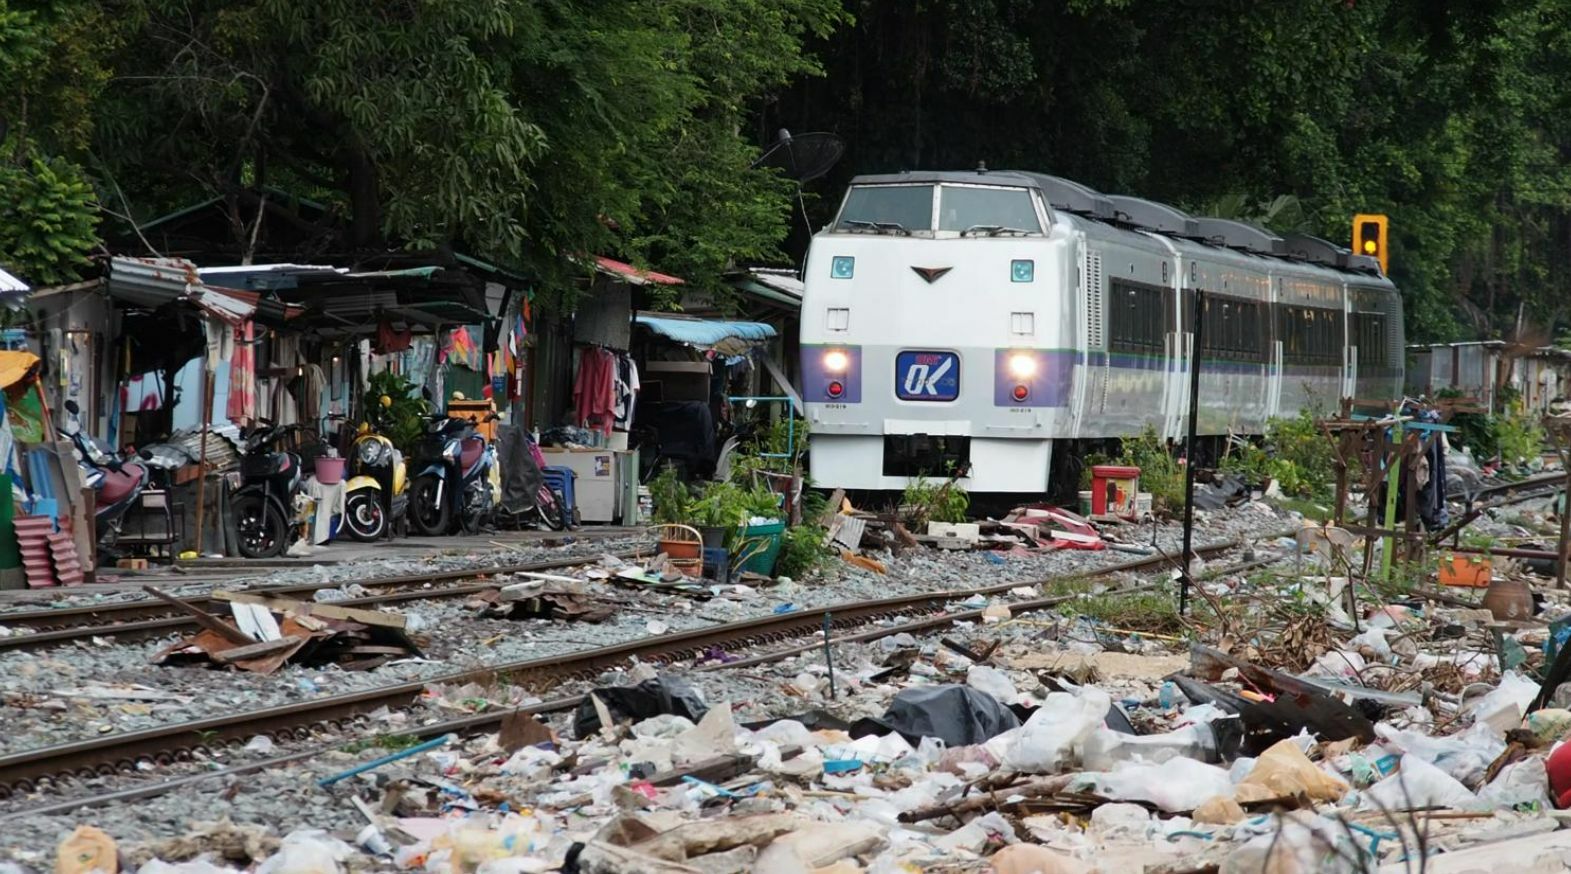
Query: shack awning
{"x": 16, "y": 366}
{"x": 727, "y": 338}
{"x": 154, "y": 282}
{"x": 13, "y": 291}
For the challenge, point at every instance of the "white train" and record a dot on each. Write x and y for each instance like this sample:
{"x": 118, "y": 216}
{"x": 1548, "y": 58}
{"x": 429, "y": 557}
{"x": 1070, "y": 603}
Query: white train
{"x": 981, "y": 321}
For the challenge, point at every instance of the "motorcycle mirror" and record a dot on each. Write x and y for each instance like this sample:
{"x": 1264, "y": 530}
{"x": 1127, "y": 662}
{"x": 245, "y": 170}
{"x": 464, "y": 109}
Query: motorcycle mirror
{"x": 72, "y": 408}
{"x": 146, "y": 454}
{"x": 387, "y": 402}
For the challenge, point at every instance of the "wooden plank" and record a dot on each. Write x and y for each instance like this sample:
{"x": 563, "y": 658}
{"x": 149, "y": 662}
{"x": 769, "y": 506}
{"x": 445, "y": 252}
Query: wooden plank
{"x": 203, "y": 618}
{"x": 255, "y": 650}
{"x": 836, "y": 498}
{"x": 320, "y": 611}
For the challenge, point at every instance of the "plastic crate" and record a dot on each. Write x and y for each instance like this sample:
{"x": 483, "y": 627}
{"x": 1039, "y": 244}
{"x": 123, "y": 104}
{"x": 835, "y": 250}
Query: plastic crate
{"x": 717, "y": 565}
{"x": 560, "y": 480}
{"x": 761, "y": 545}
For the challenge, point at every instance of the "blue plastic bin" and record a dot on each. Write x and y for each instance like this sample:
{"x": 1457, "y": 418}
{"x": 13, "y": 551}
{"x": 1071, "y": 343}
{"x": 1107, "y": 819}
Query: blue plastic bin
{"x": 717, "y": 565}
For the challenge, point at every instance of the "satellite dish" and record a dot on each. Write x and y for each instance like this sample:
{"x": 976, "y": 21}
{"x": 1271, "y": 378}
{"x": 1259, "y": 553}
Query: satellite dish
{"x": 803, "y": 157}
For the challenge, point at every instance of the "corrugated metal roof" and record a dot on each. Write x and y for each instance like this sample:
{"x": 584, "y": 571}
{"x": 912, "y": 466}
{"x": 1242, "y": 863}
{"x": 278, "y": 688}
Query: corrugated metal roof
{"x": 629, "y": 273}
{"x": 154, "y": 282}
{"x": 11, "y": 283}
{"x": 730, "y": 338}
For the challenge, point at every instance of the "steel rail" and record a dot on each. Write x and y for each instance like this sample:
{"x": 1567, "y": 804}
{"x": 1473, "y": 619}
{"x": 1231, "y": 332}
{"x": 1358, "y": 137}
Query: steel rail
{"x": 29, "y": 770}
{"x": 148, "y": 616}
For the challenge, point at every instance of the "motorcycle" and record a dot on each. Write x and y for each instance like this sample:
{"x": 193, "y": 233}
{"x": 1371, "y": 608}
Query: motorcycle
{"x": 378, "y": 502}
{"x": 459, "y": 479}
{"x": 116, "y": 482}
{"x": 263, "y": 506}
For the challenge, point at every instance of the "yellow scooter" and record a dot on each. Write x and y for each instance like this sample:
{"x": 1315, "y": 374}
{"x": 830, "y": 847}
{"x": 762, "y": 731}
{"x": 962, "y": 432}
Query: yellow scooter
{"x": 377, "y": 501}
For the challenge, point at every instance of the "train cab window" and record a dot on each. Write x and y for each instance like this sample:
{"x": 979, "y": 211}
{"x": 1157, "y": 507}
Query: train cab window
{"x": 987, "y": 210}
{"x": 887, "y": 208}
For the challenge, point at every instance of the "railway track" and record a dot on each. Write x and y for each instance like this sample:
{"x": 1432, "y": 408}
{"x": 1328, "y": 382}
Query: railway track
{"x": 34, "y": 770}
{"x": 132, "y": 620}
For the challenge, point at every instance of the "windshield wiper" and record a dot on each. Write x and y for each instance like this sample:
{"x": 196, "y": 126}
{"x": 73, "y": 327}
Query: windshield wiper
{"x": 994, "y": 231}
{"x": 876, "y": 227}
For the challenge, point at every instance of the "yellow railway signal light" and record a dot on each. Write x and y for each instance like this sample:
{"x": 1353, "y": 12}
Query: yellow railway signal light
{"x": 1369, "y": 238}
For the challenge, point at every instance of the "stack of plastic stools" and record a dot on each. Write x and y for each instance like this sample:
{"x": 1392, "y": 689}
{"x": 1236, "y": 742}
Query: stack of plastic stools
{"x": 560, "y": 480}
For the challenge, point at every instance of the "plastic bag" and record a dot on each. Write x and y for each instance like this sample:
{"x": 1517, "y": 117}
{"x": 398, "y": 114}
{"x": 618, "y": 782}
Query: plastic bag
{"x": 1054, "y": 733}
{"x": 992, "y": 681}
{"x": 1176, "y": 785}
{"x": 1465, "y": 756}
{"x": 1503, "y": 707}
{"x": 1417, "y": 784}
{"x": 1285, "y": 770}
{"x": 664, "y": 694}
{"x": 1525, "y": 782}
{"x": 956, "y": 715}
{"x": 307, "y": 852}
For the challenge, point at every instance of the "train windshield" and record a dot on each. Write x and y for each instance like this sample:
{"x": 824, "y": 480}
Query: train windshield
{"x": 887, "y": 208}
{"x": 989, "y": 211}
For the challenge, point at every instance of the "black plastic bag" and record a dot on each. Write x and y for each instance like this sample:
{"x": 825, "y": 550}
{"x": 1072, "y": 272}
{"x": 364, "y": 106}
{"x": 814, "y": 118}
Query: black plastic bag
{"x": 663, "y": 694}
{"x": 957, "y": 715}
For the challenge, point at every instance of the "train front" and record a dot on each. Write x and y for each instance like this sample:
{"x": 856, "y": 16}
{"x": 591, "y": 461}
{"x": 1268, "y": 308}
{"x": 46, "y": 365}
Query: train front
{"x": 938, "y": 334}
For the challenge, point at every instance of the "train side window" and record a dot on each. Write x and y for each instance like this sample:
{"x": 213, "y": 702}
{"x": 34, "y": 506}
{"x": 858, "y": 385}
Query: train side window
{"x": 1137, "y": 318}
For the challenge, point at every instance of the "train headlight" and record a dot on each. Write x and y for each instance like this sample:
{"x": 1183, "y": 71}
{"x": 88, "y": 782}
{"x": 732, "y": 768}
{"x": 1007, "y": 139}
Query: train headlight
{"x": 1022, "y": 270}
{"x": 835, "y": 388}
{"x": 1020, "y": 394}
{"x": 842, "y": 267}
{"x": 836, "y": 361}
{"x": 1022, "y": 366}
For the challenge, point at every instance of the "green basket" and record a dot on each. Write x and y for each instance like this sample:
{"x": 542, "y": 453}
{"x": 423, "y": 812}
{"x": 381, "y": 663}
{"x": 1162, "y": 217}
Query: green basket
{"x": 761, "y": 545}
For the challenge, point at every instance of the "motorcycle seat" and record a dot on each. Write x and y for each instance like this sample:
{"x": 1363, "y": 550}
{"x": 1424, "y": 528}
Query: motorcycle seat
{"x": 472, "y": 449}
{"x": 119, "y": 484}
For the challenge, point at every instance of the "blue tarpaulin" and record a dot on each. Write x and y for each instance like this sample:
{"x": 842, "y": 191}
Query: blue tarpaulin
{"x": 729, "y": 338}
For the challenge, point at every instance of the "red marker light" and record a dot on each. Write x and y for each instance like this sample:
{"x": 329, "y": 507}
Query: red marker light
{"x": 1021, "y": 393}
{"x": 836, "y": 389}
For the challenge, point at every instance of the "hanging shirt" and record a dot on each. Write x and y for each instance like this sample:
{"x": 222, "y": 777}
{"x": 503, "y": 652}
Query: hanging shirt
{"x": 593, "y": 391}
{"x": 241, "y": 407}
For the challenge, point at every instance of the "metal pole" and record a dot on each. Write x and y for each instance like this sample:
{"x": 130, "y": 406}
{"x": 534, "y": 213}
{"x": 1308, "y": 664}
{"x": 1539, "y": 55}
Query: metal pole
{"x": 829, "y": 659}
{"x": 201, "y": 464}
{"x": 1197, "y": 338}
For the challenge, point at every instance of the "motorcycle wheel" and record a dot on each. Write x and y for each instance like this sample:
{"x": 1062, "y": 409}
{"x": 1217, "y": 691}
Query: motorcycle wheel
{"x": 261, "y": 527}
{"x": 555, "y": 515}
{"x": 364, "y": 517}
{"x": 426, "y": 516}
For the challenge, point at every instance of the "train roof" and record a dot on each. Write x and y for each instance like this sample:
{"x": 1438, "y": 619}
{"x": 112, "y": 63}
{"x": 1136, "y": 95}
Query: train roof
{"x": 1132, "y": 214}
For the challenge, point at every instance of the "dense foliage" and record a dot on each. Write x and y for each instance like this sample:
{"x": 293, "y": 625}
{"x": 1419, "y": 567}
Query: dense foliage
{"x": 1450, "y": 115}
{"x": 529, "y": 132}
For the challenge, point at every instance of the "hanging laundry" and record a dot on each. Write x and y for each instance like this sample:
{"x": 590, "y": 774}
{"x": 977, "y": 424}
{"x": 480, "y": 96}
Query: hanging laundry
{"x": 626, "y": 390}
{"x": 241, "y": 407}
{"x": 389, "y": 339}
{"x": 464, "y": 350}
{"x": 593, "y": 392}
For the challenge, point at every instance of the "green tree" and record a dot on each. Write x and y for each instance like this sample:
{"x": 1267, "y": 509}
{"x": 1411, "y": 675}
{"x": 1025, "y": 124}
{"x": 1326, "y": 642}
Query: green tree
{"x": 531, "y": 132}
{"x": 50, "y": 76}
